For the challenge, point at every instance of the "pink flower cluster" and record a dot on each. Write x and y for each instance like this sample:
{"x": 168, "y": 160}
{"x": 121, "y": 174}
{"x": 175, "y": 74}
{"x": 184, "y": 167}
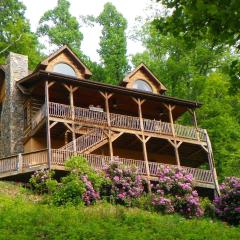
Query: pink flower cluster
{"x": 174, "y": 193}
{"x": 162, "y": 204}
{"x": 227, "y": 206}
{"x": 125, "y": 183}
{"x": 90, "y": 196}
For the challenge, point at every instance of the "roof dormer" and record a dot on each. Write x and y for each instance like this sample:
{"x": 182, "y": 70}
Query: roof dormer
{"x": 141, "y": 78}
{"x": 64, "y": 61}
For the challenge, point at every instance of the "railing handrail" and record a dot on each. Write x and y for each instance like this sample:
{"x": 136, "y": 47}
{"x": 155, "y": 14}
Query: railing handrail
{"x": 124, "y": 121}
{"x": 86, "y": 141}
{"x": 200, "y": 175}
{"x": 37, "y": 151}
{"x": 39, "y": 158}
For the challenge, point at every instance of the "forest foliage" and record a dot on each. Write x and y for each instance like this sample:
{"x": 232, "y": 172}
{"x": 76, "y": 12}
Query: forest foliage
{"x": 193, "y": 49}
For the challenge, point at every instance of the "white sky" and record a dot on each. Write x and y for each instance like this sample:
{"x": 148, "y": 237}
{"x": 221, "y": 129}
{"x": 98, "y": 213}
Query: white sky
{"x": 129, "y": 8}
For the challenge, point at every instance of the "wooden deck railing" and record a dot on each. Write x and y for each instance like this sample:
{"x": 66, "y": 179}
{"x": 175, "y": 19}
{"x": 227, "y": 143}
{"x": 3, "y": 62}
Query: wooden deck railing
{"x": 22, "y": 162}
{"x": 33, "y": 159}
{"x": 98, "y": 162}
{"x": 30, "y": 161}
{"x": 123, "y": 121}
{"x": 9, "y": 164}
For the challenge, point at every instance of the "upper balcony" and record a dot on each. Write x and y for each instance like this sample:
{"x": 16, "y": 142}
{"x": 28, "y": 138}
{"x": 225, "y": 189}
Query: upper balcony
{"x": 118, "y": 122}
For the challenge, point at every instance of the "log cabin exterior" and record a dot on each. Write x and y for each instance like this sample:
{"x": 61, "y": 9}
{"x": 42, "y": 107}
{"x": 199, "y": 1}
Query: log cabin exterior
{"x": 55, "y": 112}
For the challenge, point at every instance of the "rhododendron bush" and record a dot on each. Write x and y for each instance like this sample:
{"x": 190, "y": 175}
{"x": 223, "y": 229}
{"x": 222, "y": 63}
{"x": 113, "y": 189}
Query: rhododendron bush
{"x": 227, "y": 206}
{"x": 39, "y": 180}
{"x": 174, "y": 193}
{"x": 125, "y": 183}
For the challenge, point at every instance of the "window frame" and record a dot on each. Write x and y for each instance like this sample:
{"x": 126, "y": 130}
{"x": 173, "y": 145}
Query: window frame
{"x": 147, "y": 84}
{"x": 64, "y": 63}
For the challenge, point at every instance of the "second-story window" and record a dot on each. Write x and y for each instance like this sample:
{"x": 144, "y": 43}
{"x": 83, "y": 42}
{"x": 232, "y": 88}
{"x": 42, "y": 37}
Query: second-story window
{"x": 142, "y": 85}
{"x": 64, "y": 68}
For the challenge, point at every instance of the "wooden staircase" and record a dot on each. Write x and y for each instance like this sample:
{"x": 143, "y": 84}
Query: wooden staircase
{"x": 90, "y": 141}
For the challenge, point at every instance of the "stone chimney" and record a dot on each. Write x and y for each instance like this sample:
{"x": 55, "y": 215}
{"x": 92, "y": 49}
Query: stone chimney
{"x": 12, "y": 118}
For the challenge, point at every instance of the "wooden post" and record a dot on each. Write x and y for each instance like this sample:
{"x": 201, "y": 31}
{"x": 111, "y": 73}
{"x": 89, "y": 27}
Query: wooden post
{"x": 20, "y": 163}
{"x": 139, "y": 102}
{"x": 71, "y": 91}
{"x": 211, "y": 161}
{"x": 48, "y": 124}
{"x": 73, "y": 118}
{"x": 175, "y": 144}
{"x": 106, "y": 97}
{"x": 194, "y": 120}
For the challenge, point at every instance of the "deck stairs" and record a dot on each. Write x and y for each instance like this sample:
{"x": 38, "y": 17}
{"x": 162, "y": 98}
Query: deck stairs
{"x": 90, "y": 141}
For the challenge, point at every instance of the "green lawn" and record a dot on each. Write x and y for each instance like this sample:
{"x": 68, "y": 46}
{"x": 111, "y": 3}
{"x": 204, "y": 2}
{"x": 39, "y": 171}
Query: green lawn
{"x": 23, "y": 216}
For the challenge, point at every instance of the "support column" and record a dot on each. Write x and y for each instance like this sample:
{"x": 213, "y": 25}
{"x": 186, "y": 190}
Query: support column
{"x": 175, "y": 144}
{"x": 73, "y": 118}
{"x": 48, "y": 124}
{"x": 71, "y": 91}
{"x": 211, "y": 162}
{"x": 143, "y": 139}
{"x": 106, "y": 97}
{"x": 194, "y": 120}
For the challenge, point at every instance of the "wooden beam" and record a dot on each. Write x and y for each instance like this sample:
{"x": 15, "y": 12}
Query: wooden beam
{"x": 139, "y": 103}
{"x": 51, "y": 84}
{"x": 107, "y": 96}
{"x": 71, "y": 97}
{"x": 139, "y": 137}
{"x": 68, "y": 126}
{"x": 48, "y": 125}
{"x": 194, "y": 152}
{"x": 53, "y": 124}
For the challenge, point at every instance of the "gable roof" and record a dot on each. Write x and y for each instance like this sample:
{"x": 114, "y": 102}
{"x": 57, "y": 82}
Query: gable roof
{"x": 42, "y": 65}
{"x": 161, "y": 87}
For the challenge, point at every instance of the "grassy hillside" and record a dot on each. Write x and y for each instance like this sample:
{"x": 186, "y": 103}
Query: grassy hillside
{"x": 25, "y": 216}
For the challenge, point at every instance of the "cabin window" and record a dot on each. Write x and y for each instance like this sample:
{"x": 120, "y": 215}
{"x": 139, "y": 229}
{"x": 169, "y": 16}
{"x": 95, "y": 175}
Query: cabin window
{"x": 142, "y": 85}
{"x": 64, "y": 68}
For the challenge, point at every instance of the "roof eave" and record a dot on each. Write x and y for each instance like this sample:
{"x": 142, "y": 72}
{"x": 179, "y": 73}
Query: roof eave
{"x": 45, "y": 75}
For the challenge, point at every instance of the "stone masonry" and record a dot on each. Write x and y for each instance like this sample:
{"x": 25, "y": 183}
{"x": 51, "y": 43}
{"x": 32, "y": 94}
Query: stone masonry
{"x": 12, "y": 118}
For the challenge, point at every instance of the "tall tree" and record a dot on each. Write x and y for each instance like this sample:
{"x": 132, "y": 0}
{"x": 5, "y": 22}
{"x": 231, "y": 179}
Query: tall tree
{"x": 218, "y": 20}
{"x": 15, "y": 33}
{"x": 61, "y": 27}
{"x": 198, "y": 72}
{"x": 113, "y": 43}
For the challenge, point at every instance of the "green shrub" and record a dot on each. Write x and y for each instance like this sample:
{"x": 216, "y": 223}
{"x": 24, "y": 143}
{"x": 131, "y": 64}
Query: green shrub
{"x": 80, "y": 186}
{"x": 144, "y": 202}
{"x": 69, "y": 191}
{"x": 208, "y": 207}
{"x": 79, "y": 166}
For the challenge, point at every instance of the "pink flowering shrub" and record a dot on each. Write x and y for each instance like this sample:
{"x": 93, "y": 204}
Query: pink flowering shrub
{"x": 39, "y": 180}
{"x": 227, "y": 206}
{"x": 124, "y": 184}
{"x": 162, "y": 204}
{"x": 80, "y": 186}
{"x": 90, "y": 195}
{"x": 174, "y": 193}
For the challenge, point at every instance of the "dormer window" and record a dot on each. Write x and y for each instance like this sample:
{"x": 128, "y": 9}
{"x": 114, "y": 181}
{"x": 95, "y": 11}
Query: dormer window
{"x": 65, "y": 69}
{"x": 142, "y": 85}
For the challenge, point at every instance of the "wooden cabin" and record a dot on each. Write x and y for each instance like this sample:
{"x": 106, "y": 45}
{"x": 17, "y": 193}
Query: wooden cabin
{"x": 56, "y": 111}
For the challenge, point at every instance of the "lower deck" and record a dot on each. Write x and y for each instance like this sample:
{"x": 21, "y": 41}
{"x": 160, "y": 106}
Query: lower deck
{"x": 30, "y": 162}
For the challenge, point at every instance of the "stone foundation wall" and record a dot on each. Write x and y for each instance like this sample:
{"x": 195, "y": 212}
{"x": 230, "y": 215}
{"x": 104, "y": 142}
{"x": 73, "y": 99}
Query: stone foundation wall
{"x": 12, "y": 119}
